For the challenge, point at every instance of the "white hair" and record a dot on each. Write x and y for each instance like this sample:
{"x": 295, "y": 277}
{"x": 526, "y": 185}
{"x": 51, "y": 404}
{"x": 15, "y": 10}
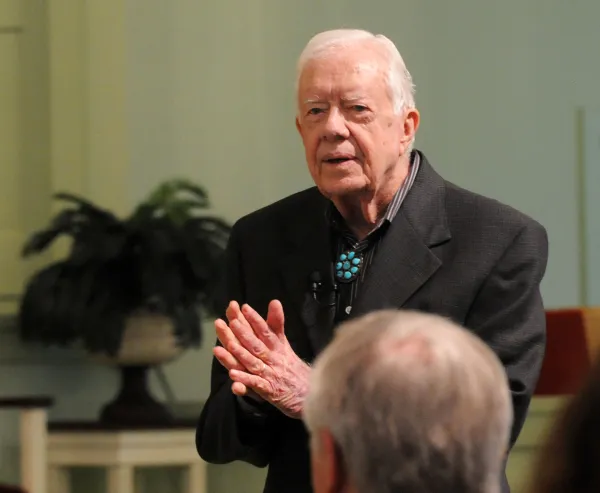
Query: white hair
{"x": 399, "y": 80}
{"x": 414, "y": 403}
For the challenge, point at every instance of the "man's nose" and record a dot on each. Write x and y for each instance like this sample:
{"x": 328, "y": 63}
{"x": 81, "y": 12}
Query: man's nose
{"x": 335, "y": 126}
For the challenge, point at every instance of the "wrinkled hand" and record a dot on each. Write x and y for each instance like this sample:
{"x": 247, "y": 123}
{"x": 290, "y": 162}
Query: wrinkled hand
{"x": 260, "y": 359}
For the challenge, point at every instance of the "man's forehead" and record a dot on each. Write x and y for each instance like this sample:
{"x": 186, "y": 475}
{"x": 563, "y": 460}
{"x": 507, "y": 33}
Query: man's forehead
{"x": 351, "y": 81}
{"x": 349, "y": 65}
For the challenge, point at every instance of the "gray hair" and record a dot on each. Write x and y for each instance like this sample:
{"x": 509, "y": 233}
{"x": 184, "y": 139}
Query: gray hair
{"x": 414, "y": 402}
{"x": 399, "y": 80}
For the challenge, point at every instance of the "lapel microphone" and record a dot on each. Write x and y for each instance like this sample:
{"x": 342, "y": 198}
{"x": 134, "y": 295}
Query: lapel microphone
{"x": 319, "y": 291}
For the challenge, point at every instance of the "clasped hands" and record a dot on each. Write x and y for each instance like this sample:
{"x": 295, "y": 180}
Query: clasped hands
{"x": 259, "y": 358}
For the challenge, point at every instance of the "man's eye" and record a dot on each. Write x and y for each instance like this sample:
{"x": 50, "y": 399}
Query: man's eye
{"x": 315, "y": 111}
{"x": 359, "y": 108}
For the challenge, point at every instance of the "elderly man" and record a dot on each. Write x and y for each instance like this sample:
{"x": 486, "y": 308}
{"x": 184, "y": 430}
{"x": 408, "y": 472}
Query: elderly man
{"x": 407, "y": 402}
{"x": 381, "y": 229}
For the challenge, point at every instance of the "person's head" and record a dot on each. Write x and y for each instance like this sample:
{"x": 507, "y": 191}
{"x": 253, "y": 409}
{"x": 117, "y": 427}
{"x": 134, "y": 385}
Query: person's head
{"x": 568, "y": 462}
{"x": 356, "y": 112}
{"x": 407, "y": 402}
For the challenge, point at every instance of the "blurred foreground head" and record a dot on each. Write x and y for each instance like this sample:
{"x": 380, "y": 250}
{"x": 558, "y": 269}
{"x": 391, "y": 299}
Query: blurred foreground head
{"x": 407, "y": 402}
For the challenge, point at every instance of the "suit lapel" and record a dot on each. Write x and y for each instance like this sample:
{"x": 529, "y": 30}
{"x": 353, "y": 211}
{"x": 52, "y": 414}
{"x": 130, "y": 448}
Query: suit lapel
{"x": 401, "y": 266}
{"x": 308, "y": 251}
{"x": 404, "y": 260}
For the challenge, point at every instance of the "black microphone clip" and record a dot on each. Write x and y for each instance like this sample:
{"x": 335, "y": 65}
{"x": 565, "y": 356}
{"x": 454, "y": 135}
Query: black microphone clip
{"x": 317, "y": 290}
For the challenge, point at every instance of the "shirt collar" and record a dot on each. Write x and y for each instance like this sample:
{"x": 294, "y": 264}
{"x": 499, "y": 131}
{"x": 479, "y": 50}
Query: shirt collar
{"x": 337, "y": 221}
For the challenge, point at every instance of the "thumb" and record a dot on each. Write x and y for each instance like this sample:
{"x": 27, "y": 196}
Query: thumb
{"x": 275, "y": 317}
{"x": 239, "y": 388}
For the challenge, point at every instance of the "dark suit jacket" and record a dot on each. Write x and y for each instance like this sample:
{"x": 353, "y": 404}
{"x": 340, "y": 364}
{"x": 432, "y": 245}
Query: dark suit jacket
{"x": 448, "y": 251}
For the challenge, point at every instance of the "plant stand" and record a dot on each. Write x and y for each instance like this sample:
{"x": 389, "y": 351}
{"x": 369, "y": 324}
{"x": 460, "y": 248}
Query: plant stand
{"x": 121, "y": 451}
{"x": 134, "y": 405}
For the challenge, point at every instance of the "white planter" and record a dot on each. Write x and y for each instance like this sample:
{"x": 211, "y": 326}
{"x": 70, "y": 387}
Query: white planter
{"x": 148, "y": 340}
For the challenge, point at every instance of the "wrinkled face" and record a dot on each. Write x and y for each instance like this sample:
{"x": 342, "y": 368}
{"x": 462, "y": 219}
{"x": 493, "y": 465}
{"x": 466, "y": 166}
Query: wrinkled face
{"x": 352, "y": 137}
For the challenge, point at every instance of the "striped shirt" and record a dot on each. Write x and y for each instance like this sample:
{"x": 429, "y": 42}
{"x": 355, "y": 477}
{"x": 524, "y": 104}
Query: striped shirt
{"x": 344, "y": 240}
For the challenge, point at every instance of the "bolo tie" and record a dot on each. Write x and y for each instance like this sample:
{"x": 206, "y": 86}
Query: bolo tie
{"x": 348, "y": 265}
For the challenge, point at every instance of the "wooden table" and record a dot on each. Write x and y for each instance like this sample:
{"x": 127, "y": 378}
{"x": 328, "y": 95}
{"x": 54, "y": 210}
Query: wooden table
{"x": 120, "y": 450}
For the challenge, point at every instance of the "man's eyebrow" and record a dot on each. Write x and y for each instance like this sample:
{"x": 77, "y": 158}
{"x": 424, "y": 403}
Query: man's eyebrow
{"x": 352, "y": 99}
{"x": 313, "y": 101}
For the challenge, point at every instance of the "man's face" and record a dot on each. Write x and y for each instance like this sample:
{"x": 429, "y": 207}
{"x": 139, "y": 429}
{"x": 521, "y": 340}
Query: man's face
{"x": 352, "y": 137}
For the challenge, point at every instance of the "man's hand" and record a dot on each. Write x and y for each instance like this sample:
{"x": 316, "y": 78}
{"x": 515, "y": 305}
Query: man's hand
{"x": 260, "y": 359}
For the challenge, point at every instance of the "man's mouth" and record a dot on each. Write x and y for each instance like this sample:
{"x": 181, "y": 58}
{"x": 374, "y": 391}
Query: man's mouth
{"x": 338, "y": 160}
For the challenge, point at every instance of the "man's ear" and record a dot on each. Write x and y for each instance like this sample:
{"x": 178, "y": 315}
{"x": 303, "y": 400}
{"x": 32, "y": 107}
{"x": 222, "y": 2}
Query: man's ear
{"x": 411, "y": 125}
{"x": 329, "y": 470}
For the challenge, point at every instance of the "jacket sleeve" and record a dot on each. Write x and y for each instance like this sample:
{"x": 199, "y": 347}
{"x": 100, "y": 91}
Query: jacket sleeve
{"x": 226, "y": 430}
{"x": 508, "y": 314}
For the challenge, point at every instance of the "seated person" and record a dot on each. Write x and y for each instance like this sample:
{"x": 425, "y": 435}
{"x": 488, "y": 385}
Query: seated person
{"x": 571, "y": 455}
{"x": 407, "y": 402}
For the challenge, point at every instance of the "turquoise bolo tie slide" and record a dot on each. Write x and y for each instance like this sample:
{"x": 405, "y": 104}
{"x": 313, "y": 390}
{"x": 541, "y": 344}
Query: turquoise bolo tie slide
{"x": 348, "y": 266}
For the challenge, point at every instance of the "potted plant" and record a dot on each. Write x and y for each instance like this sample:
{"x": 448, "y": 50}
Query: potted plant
{"x": 131, "y": 291}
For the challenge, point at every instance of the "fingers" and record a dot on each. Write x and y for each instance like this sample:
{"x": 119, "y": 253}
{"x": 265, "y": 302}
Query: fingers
{"x": 248, "y": 339}
{"x": 239, "y": 389}
{"x": 226, "y": 337}
{"x": 260, "y": 327}
{"x": 254, "y": 382}
{"x": 250, "y": 362}
{"x": 275, "y": 317}
{"x": 267, "y": 331}
{"x": 224, "y": 333}
{"x": 229, "y": 362}
{"x": 241, "y": 342}
{"x": 227, "y": 359}
{"x": 252, "y": 338}
{"x": 234, "y": 312}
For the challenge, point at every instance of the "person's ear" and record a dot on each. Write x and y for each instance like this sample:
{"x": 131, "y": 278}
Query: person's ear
{"x": 410, "y": 126}
{"x": 328, "y": 468}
